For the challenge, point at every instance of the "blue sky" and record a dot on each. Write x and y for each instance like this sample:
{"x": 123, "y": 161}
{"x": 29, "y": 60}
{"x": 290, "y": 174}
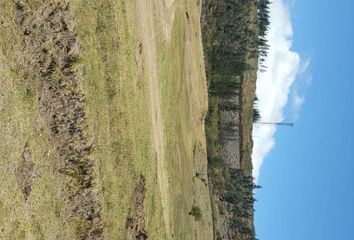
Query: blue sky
{"x": 308, "y": 177}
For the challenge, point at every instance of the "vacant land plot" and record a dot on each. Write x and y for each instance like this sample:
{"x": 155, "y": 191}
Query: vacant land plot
{"x": 127, "y": 135}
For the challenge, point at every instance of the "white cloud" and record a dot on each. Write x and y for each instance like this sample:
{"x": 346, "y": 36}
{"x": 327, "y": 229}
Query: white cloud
{"x": 298, "y": 101}
{"x": 273, "y": 86}
{"x": 304, "y": 80}
{"x": 304, "y": 66}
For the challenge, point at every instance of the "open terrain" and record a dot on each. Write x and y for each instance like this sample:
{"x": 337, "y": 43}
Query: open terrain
{"x": 114, "y": 125}
{"x": 102, "y": 107}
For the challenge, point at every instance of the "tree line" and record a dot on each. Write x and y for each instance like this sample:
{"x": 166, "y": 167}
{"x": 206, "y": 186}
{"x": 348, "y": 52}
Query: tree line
{"x": 239, "y": 195}
{"x": 263, "y": 26}
{"x": 231, "y": 42}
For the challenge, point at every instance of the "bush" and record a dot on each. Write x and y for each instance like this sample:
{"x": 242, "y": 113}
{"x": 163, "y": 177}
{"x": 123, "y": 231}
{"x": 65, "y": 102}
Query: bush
{"x": 196, "y": 213}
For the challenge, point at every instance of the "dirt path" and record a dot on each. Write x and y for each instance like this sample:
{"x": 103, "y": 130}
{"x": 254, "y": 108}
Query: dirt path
{"x": 145, "y": 16}
{"x": 165, "y": 11}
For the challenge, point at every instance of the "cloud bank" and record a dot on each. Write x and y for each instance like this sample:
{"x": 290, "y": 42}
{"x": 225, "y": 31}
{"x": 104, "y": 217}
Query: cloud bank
{"x": 273, "y": 86}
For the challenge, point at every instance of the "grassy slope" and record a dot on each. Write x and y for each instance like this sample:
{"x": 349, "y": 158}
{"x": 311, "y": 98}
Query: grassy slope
{"x": 116, "y": 78}
{"x": 248, "y": 96}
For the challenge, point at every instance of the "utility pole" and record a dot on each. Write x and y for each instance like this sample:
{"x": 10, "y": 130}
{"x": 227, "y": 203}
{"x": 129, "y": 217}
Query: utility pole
{"x": 286, "y": 124}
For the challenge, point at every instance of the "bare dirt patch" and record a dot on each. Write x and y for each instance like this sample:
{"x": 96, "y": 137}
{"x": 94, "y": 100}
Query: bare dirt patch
{"x": 166, "y": 11}
{"x": 49, "y": 36}
{"x": 135, "y": 223}
{"x": 148, "y": 39}
{"x": 25, "y": 172}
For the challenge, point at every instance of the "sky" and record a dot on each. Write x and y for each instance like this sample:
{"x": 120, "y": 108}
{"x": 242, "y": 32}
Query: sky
{"x": 307, "y": 171}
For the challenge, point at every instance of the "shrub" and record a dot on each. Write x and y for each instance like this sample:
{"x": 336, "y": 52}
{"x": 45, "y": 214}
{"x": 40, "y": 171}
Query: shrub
{"x": 196, "y": 212}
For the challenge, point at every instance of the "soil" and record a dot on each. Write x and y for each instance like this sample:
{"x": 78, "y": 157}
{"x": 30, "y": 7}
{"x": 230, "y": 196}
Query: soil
{"x": 148, "y": 40}
{"x": 49, "y": 37}
{"x": 135, "y": 223}
{"x": 25, "y": 172}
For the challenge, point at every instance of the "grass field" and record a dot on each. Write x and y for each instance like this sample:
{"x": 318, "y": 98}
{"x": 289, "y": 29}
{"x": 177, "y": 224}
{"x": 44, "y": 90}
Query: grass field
{"x": 141, "y": 71}
{"x": 248, "y": 96}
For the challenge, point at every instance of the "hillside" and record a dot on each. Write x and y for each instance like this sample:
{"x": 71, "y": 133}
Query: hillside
{"x": 102, "y": 107}
{"x": 230, "y": 37}
{"x": 118, "y": 122}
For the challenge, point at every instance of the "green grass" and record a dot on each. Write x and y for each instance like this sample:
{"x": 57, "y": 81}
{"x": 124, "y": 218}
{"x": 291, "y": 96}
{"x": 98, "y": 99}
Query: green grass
{"x": 117, "y": 105}
{"x": 248, "y": 96}
{"x": 128, "y": 115}
{"x": 183, "y": 107}
{"x": 20, "y": 124}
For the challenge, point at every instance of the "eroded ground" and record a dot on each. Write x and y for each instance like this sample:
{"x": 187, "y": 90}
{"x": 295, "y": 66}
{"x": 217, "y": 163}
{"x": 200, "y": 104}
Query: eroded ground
{"x": 102, "y": 108}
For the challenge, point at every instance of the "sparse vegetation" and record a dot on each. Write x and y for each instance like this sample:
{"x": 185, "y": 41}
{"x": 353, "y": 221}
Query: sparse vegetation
{"x": 102, "y": 114}
{"x": 196, "y": 212}
{"x": 103, "y": 92}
